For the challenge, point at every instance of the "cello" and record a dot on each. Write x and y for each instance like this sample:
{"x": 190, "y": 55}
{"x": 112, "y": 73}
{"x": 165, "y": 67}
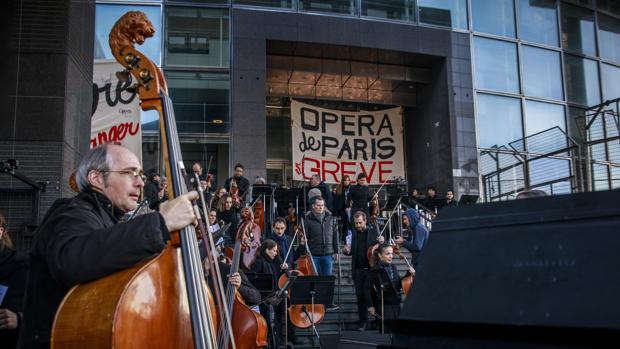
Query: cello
{"x": 249, "y": 328}
{"x": 162, "y": 302}
{"x": 407, "y": 280}
{"x": 303, "y": 315}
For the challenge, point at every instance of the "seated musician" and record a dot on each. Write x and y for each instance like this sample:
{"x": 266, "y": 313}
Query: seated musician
{"x": 384, "y": 282}
{"x": 268, "y": 261}
{"x": 80, "y": 239}
{"x": 249, "y": 293}
{"x": 414, "y": 235}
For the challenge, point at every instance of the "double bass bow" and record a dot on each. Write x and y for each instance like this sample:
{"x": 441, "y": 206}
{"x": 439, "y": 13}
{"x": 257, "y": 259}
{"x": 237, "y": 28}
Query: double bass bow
{"x": 163, "y": 302}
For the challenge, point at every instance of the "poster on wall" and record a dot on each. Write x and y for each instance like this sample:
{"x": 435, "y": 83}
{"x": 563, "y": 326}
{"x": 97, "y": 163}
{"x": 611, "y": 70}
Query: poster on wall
{"x": 334, "y": 143}
{"x": 116, "y": 111}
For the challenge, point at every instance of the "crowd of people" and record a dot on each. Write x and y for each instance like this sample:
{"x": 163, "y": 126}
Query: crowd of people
{"x": 98, "y": 232}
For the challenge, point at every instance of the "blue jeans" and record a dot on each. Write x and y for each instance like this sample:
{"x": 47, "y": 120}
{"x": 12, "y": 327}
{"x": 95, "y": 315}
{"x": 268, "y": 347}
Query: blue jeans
{"x": 323, "y": 264}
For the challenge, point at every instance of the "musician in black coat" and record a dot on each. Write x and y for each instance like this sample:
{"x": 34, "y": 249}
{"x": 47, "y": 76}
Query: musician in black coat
{"x": 363, "y": 237}
{"x": 81, "y": 239}
{"x": 13, "y": 267}
{"x": 383, "y": 286}
{"x": 359, "y": 196}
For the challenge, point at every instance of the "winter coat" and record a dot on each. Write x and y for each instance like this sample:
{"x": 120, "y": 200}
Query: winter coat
{"x": 80, "y": 240}
{"x": 13, "y": 267}
{"x": 321, "y": 235}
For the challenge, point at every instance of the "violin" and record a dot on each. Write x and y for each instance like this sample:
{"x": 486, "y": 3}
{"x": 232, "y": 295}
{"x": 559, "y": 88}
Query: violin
{"x": 259, "y": 214}
{"x": 234, "y": 193}
{"x": 303, "y": 315}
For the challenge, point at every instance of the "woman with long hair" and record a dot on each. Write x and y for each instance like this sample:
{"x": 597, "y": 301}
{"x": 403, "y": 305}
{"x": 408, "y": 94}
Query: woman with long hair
{"x": 384, "y": 287}
{"x": 227, "y": 212}
{"x": 12, "y": 276}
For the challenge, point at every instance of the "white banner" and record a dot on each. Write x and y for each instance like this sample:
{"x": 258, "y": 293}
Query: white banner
{"x": 334, "y": 143}
{"x": 116, "y": 112}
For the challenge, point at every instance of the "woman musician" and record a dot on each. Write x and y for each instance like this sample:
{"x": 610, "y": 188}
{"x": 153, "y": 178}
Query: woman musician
{"x": 383, "y": 287}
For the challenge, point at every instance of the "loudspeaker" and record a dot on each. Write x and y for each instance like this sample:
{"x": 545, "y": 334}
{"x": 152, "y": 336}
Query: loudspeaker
{"x": 538, "y": 271}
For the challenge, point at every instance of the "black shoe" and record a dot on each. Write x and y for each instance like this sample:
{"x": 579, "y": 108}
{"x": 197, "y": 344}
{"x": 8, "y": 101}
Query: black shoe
{"x": 332, "y": 307}
{"x": 362, "y": 327}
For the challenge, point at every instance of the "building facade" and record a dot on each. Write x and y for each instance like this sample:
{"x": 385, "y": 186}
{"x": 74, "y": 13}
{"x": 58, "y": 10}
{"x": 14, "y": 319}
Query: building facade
{"x": 474, "y": 77}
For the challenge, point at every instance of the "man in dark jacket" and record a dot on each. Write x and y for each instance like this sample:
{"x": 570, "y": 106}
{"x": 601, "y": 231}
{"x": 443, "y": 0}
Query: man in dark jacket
{"x": 81, "y": 239}
{"x": 151, "y": 190}
{"x": 416, "y": 232}
{"x": 242, "y": 183}
{"x": 321, "y": 237}
{"x": 362, "y": 239}
{"x": 315, "y": 182}
{"x": 359, "y": 196}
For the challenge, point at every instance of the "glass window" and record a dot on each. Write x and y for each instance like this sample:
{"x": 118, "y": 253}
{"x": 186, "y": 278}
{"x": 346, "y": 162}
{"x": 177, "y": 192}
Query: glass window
{"x": 538, "y": 21}
{"x": 496, "y": 65}
{"x": 612, "y": 6}
{"x": 542, "y": 75}
{"x": 493, "y": 17}
{"x": 107, "y": 15}
{"x": 541, "y": 116}
{"x": 611, "y": 81}
{"x": 609, "y": 38}
{"x": 266, "y": 3}
{"x": 391, "y": 9}
{"x": 578, "y": 29}
{"x": 582, "y": 85}
{"x": 333, "y": 6}
{"x": 201, "y": 101}
{"x": 448, "y": 13}
{"x": 203, "y": 1}
{"x": 498, "y": 120}
{"x": 197, "y": 37}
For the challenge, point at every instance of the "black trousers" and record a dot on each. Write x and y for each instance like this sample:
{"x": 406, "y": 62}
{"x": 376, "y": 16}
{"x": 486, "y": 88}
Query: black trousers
{"x": 359, "y": 279}
{"x": 390, "y": 315}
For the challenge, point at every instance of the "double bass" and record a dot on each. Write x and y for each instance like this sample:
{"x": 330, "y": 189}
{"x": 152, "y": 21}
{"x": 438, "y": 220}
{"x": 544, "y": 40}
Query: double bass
{"x": 162, "y": 302}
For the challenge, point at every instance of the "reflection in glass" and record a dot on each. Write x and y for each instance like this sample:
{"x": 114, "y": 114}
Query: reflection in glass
{"x": 201, "y": 101}
{"x": 448, "y": 13}
{"x": 581, "y": 80}
{"x": 390, "y": 9}
{"x": 498, "y": 120}
{"x": 107, "y": 15}
{"x": 493, "y": 17}
{"x": 578, "y": 29}
{"x": 538, "y": 21}
{"x": 333, "y": 6}
{"x": 496, "y": 65}
{"x": 611, "y": 81}
{"x": 197, "y": 37}
{"x": 542, "y": 75}
{"x": 266, "y": 3}
{"x": 540, "y": 116}
{"x": 609, "y": 38}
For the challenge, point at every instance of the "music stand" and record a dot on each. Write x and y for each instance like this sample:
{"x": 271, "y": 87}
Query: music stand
{"x": 467, "y": 199}
{"x": 313, "y": 290}
{"x": 263, "y": 283}
{"x": 260, "y": 189}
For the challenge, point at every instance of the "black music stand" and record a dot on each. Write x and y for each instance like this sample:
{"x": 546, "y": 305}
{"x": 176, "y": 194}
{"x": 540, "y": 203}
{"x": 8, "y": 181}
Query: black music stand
{"x": 313, "y": 290}
{"x": 263, "y": 283}
{"x": 467, "y": 199}
{"x": 260, "y": 189}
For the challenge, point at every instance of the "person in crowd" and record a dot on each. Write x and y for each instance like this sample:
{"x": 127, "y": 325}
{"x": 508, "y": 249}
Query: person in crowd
{"x": 242, "y": 183}
{"x": 80, "y": 239}
{"x": 260, "y": 181}
{"x": 321, "y": 237}
{"x": 151, "y": 189}
{"x": 359, "y": 196}
{"x": 284, "y": 241}
{"x": 362, "y": 238}
{"x": 196, "y": 170}
{"x": 384, "y": 282}
{"x": 450, "y": 199}
{"x": 217, "y": 196}
{"x": 268, "y": 261}
{"x": 414, "y": 236}
{"x": 341, "y": 197}
{"x": 13, "y": 268}
{"x": 163, "y": 189}
{"x": 430, "y": 201}
{"x": 291, "y": 220}
{"x": 326, "y": 194}
{"x": 228, "y": 213}
{"x": 213, "y": 222}
{"x": 414, "y": 199}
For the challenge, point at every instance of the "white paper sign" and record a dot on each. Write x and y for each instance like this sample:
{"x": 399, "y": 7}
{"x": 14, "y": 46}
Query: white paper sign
{"x": 334, "y": 143}
{"x": 116, "y": 114}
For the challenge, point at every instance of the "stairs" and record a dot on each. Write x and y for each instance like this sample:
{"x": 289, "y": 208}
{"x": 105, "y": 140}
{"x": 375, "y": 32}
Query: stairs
{"x": 346, "y": 318}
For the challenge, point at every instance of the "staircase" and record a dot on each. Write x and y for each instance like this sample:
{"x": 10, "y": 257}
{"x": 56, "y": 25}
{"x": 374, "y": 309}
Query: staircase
{"x": 346, "y": 318}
